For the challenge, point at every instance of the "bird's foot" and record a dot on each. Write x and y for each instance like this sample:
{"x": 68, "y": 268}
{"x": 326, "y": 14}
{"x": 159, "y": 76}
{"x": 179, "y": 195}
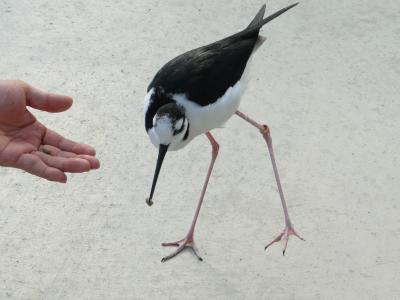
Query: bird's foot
{"x": 284, "y": 236}
{"x": 187, "y": 242}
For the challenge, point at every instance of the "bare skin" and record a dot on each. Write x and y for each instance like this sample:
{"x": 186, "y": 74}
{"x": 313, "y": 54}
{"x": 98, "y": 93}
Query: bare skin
{"x": 188, "y": 241}
{"x": 27, "y": 144}
{"x": 289, "y": 229}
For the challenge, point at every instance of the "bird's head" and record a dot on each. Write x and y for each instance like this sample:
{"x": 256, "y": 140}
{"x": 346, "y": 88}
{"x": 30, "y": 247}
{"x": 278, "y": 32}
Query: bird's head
{"x": 170, "y": 130}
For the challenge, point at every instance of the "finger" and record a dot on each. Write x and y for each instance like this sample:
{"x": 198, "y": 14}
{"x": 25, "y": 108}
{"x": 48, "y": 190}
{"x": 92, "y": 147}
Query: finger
{"x": 46, "y": 101}
{"x": 71, "y": 165}
{"x": 54, "y": 151}
{"x": 93, "y": 161}
{"x": 54, "y": 139}
{"x": 34, "y": 165}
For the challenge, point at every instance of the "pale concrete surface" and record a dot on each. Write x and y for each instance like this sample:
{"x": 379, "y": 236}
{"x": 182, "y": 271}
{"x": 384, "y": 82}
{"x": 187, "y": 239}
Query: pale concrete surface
{"x": 327, "y": 83}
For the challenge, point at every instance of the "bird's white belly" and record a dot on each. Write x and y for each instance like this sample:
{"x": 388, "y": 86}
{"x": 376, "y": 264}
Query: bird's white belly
{"x": 205, "y": 118}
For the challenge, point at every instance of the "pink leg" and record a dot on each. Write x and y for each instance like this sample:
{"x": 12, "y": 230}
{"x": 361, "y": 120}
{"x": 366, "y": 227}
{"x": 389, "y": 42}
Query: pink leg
{"x": 188, "y": 241}
{"x": 289, "y": 230}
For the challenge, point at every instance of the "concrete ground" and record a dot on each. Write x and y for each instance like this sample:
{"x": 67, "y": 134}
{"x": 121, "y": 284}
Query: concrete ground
{"x": 327, "y": 83}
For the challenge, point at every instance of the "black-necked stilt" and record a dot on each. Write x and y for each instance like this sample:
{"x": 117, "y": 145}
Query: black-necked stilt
{"x": 197, "y": 92}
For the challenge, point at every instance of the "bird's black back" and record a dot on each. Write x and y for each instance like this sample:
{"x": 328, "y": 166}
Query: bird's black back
{"x": 205, "y": 73}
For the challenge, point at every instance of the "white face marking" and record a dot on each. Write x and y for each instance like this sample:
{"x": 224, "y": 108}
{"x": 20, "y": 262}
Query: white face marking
{"x": 178, "y": 124}
{"x": 153, "y": 137}
{"x": 164, "y": 130}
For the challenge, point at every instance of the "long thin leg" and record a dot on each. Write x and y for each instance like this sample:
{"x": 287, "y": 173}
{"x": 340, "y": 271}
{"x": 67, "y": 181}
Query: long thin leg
{"x": 188, "y": 241}
{"x": 289, "y": 230}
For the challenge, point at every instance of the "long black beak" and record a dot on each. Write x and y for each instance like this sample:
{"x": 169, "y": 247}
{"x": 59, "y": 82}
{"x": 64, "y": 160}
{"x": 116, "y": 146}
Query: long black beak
{"x": 162, "y": 150}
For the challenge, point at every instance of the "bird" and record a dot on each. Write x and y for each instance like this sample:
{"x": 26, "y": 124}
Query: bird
{"x": 198, "y": 91}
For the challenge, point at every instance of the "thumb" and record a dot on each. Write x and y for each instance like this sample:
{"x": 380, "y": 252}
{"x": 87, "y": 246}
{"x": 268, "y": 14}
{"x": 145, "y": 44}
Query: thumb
{"x": 46, "y": 101}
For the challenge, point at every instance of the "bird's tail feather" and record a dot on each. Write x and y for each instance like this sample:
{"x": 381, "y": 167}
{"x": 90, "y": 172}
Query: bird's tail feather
{"x": 258, "y": 20}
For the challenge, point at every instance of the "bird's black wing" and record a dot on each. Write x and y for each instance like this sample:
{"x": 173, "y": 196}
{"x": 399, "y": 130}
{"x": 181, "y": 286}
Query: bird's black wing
{"x": 205, "y": 73}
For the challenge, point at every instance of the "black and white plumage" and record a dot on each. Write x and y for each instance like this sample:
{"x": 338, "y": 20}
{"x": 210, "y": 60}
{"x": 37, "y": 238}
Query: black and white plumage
{"x": 196, "y": 92}
{"x": 209, "y": 75}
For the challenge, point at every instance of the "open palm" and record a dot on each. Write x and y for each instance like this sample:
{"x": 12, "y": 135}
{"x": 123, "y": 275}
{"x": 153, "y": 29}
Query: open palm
{"x": 27, "y": 144}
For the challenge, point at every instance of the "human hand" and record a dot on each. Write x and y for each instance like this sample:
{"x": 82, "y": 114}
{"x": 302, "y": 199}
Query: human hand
{"x": 27, "y": 144}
